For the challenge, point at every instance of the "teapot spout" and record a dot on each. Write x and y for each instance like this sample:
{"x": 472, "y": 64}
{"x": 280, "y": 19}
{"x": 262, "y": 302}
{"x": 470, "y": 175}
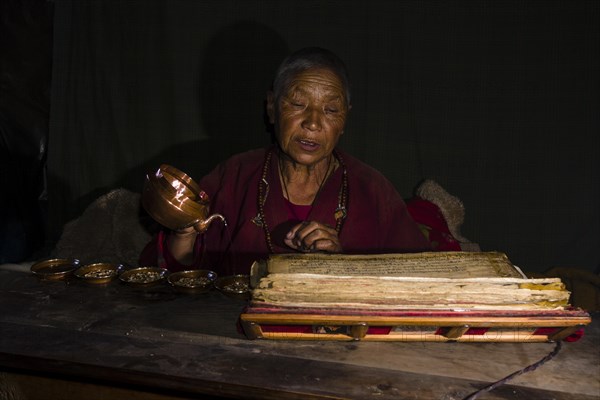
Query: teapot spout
{"x": 202, "y": 226}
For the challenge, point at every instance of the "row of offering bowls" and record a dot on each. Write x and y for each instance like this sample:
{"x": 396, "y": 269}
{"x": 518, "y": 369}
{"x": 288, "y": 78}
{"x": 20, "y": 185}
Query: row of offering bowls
{"x": 191, "y": 281}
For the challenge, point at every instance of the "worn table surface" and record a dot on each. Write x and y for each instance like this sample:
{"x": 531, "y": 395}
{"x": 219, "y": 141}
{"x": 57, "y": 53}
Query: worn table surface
{"x": 188, "y": 344}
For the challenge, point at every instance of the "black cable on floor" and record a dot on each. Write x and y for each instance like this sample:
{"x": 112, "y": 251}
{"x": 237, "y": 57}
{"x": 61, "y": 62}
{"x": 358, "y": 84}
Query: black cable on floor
{"x": 531, "y": 367}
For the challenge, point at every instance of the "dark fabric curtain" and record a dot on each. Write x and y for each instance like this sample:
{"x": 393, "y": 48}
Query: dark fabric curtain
{"x": 25, "y": 72}
{"x": 495, "y": 100}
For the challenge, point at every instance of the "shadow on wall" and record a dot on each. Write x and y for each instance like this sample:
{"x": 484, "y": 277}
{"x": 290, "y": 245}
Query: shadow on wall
{"x": 237, "y": 67}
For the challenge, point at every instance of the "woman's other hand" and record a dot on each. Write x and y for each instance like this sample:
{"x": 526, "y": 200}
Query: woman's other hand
{"x": 312, "y": 236}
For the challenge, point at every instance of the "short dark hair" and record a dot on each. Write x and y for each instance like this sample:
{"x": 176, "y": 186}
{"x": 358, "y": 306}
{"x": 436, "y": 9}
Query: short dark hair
{"x": 305, "y": 59}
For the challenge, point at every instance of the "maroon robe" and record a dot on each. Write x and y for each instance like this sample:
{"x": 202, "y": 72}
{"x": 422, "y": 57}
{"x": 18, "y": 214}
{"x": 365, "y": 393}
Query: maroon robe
{"x": 377, "y": 218}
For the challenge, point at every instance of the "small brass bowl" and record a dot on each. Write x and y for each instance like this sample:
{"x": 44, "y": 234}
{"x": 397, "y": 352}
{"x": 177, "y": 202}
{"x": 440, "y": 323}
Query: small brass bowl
{"x": 55, "y": 269}
{"x": 236, "y": 286}
{"x": 143, "y": 276}
{"x": 99, "y": 273}
{"x": 193, "y": 281}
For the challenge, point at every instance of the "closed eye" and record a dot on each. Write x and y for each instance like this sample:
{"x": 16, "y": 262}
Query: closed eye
{"x": 297, "y": 104}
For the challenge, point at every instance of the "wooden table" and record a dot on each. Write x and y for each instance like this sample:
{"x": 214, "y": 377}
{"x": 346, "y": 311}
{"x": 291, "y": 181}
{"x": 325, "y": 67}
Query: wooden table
{"x": 72, "y": 340}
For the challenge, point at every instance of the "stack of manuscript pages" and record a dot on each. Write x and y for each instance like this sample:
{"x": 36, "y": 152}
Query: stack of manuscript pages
{"x": 441, "y": 296}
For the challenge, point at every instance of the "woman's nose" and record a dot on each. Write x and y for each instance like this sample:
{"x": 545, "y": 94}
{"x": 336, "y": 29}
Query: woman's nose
{"x": 312, "y": 119}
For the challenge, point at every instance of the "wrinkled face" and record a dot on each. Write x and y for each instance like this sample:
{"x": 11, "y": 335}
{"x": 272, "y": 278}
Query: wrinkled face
{"x": 310, "y": 116}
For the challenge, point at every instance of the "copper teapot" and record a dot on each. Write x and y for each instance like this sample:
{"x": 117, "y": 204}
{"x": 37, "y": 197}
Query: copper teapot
{"x": 176, "y": 201}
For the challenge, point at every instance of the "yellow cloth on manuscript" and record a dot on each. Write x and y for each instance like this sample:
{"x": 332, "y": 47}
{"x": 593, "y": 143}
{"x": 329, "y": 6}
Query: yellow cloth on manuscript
{"x": 584, "y": 285}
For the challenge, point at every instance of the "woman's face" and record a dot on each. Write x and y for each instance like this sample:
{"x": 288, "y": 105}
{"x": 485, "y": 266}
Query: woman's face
{"x": 310, "y": 116}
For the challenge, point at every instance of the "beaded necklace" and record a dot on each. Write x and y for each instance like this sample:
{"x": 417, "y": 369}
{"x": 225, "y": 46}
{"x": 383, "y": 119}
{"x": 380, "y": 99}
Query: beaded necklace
{"x": 263, "y": 191}
{"x": 285, "y": 189}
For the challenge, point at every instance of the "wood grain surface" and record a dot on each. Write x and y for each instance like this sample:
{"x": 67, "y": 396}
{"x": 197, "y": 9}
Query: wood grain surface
{"x": 163, "y": 342}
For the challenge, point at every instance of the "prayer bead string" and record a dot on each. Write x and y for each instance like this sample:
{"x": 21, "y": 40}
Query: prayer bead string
{"x": 263, "y": 191}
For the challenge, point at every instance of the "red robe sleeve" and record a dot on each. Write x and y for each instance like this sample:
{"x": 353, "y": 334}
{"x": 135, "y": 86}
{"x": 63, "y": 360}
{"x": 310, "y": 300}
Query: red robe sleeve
{"x": 157, "y": 254}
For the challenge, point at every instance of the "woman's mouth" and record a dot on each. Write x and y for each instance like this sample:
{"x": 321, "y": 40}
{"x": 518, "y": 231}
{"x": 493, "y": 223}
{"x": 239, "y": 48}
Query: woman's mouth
{"x": 308, "y": 145}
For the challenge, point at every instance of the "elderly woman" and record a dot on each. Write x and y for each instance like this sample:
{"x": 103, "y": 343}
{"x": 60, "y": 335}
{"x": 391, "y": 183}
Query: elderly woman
{"x": 300, "y": 195}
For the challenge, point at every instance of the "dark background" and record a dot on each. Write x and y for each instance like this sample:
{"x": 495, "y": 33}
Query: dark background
{"x": 498, "y": 101}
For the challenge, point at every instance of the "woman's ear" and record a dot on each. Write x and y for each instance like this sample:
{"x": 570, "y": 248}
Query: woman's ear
{"x": 271, "y": 106}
